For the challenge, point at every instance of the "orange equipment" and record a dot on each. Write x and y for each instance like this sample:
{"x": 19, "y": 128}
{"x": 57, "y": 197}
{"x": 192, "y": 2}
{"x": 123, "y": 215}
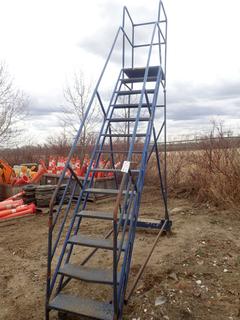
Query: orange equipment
{"x": 78, "y": 167}
{"x": 102, "y": 164}
{"x": 6, "y": 172}
{"x": 52, "y": 165}
{"x": 42, "y": 169}
{"x": 84, "y": 167}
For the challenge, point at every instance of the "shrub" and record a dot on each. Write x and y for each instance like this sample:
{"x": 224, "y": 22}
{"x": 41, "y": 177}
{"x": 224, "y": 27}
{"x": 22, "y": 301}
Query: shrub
{"x": 210, "y": 174}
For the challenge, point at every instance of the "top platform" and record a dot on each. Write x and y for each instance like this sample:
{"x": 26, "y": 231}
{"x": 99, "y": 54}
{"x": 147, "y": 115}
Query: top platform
{"x": 139, "y": 72}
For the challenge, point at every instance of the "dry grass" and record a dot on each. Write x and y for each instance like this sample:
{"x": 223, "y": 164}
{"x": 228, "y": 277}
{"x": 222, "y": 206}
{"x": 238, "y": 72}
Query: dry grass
{"x": 210, "y": 175}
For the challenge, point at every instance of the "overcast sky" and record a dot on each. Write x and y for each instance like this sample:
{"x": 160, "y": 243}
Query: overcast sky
{"x": 44, "y": 42}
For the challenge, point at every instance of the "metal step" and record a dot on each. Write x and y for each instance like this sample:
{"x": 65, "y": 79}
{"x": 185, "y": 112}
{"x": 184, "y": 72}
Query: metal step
{"x": 112, "y": 170}
{"x": 128, "y": 92}
{"x": 88, "y": 274}
{"x": 118, "y": 151}
{"x": 134, "y": 105}
{"x": 86, "y": 241}
{"x": 82, "y": 306}
{"x": 140, "y": 72}
{"x": 122, "y": 135}
{"x": 138, "y": 79}
{"x": 96, "y": 215}
{"x": 127, "y": 119}
{"x": 104, "y": 191}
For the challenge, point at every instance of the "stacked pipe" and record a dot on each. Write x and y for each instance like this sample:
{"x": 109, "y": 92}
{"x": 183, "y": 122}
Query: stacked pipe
{"x": 11, "y": 208}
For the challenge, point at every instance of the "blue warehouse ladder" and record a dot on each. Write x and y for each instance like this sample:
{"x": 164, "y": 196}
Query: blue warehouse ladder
{"x": 133, "y": 117}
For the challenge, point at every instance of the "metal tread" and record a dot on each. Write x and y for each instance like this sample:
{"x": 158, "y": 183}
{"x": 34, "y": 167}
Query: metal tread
{"x": 122, "y": 135}
{"x": 134, "y": 105}
{"x": 87, "y": 274}
{"x": 82, "y": 306}
{"x": 128, "y": 92}
{"x": 87, "y": 241}
{"x": 112, "y": 170}
{"x": 104, "y": 191}
{"x": 139, "y": 79}
{"x": 118, "y": 151}
{"x": 140, "y": 72}
{"x": 128, "y": 119}
{"x": 96, "y": 214}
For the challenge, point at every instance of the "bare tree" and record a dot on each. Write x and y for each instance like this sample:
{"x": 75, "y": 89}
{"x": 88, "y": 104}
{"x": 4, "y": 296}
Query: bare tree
{"x": 13, "y": 108}
{"x": 59, "y": 144}
{"x": 77, "y": 97}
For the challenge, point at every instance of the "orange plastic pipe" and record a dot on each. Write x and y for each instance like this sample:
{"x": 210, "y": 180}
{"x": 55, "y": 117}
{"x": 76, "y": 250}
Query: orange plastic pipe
{"x": 21, "y": 181}
{"x": 12, "y": 212}
{"x": 11, "y": 205}
{"x": 19, "y": 214}
{"x": 6, "y": 201}
{"x": 15, "y": 196}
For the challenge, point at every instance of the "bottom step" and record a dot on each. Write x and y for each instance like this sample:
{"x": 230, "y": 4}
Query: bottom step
{"x": 82, "y": 306}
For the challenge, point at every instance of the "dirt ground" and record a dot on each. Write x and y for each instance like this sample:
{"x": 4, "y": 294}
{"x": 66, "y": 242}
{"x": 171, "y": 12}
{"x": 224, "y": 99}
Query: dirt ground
{"x": 193, "y": 274}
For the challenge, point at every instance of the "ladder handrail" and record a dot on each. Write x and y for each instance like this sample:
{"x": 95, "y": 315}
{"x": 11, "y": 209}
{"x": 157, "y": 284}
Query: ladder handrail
{"x": 121, "y": 28}
{"x": 123, "y": 181}
{"x": 62, "y": 176}
{"x": 125, "y": 11}
{"x": 76, "y": 139}
{"x": 142, "y": 94}
{"x": 51, "y": 285}
{"x": 133, "y": 218}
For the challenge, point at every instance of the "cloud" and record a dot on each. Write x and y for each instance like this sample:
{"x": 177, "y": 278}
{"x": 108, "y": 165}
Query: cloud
{"x": 100, "y": 43}
{"x": 226, "y": 90}
{"x": 43, "y": 110}
{"x": 188, "y": 102}
{"x": 192, "y": 112}
{"x": 188, "y": 119}
{"x": 192, "y": 92}
{"x": 101, "y": 39}
{"x": 41, "y": 107}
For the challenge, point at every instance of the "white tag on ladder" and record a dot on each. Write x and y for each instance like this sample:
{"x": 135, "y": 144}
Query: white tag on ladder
{"x": 125, "y": 166}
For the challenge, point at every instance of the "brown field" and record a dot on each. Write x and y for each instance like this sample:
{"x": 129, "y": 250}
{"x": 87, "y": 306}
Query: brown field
{"x": 210, "y": 175}
{"x": 194, "y": 271}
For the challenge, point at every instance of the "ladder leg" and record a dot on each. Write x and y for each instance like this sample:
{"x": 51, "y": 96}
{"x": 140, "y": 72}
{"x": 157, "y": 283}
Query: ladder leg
{"x": 47, "y": 315}
{"x": 160, "y": 177}
{"x": 162, "y": 185}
